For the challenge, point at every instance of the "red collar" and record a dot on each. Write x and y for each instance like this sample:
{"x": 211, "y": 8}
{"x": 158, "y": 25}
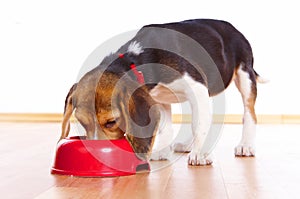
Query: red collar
{"x": 138, "y": 74}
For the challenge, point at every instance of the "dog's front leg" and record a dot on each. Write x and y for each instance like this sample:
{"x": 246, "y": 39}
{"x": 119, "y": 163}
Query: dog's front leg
{"x": 198, "y": 97}
{"x": 162, "y": 149}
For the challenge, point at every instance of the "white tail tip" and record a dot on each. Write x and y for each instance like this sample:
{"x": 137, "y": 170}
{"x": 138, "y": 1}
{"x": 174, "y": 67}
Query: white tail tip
{"x": 262, "y": 80}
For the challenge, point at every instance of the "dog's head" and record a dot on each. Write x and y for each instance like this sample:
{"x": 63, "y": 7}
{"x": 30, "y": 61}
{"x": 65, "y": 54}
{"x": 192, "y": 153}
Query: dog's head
{"x": 108, "y": 106}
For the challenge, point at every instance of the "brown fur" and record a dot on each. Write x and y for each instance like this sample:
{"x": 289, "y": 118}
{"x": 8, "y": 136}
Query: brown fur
{"x": 105, "y": 106}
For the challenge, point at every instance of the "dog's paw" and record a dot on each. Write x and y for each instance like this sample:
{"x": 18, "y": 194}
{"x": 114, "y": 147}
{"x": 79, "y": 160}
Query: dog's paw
{"x": 164, "y": 154}
{"x": 196, "y": 159}
{"x": 182, "y": 147}
{"x": 244, "y": 151}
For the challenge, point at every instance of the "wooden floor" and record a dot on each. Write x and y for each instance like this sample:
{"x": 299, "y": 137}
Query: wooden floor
{"x": 27, "y": 150}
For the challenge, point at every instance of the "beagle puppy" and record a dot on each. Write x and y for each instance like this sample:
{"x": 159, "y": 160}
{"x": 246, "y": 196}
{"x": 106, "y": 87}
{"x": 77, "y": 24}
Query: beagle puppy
{"x": 131, "y": 91}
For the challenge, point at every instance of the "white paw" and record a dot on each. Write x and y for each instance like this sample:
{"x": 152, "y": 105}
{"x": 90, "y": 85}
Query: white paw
{"x": 244, "y": 150}
{"x": 164, "y": 154}
{"x": 196, "y": 159}
{"x": 182, "y": 147}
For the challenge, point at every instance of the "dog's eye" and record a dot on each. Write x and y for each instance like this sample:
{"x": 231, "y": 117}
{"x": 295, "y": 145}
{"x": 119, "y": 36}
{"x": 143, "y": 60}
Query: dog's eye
{"x": 110, "y": 124}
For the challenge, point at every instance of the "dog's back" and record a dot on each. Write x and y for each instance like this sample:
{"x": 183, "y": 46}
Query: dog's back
{"x": 211, "y": 48}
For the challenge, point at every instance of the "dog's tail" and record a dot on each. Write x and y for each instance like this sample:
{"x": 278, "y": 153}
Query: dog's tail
{"x": 260, "y": 79}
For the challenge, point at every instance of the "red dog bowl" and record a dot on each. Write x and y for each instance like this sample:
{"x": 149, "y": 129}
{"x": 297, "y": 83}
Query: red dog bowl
{"x": 96, "y": 158}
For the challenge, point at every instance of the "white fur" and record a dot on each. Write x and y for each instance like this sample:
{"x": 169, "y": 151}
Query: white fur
{"x": 198, "y": 97}
{"x": 162, "y": 148}
{"x": 246, "y": 145}
{"x": 186, "y": 88}
{"x": 135, "y": 48}
{"x": 262, "y": 80}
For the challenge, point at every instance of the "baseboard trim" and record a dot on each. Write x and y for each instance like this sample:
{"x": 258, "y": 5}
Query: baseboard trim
{"x": 31, "y": 117}
{"x": 238, "y": 119}
{"x": 177, "y": 118}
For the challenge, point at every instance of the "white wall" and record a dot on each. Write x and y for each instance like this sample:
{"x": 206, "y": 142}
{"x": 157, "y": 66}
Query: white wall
{"x": 44, "y": 44}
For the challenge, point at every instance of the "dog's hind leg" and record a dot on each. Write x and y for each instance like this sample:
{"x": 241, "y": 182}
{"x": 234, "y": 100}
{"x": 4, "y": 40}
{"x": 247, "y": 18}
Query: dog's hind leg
{"x": 245, "y": 81}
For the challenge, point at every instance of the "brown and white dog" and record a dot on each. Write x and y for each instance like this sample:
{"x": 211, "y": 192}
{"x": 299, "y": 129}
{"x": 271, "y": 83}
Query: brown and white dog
{"x": 133, "y": 89}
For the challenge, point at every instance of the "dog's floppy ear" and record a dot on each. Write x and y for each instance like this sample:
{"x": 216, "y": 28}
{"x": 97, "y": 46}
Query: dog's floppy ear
{"x": 69, "y": 107}
{"x": 141, "y": 116}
